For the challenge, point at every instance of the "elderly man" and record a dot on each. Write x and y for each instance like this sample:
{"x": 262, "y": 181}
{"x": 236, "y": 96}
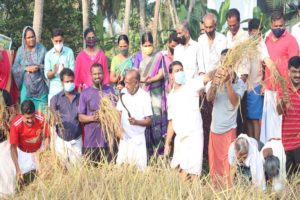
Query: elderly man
{"x": 94, "y": 145}
{"x": 136, "y": 111}
{"x": 68, "y": 142}
{"x": 27, "y": 133}
{"x": 186, "y": 51}
{"x": 281, "y": 47}
{"x": 289, "y": 107}
{"x": 185, "y": 120}
{"x": 244, "y": 159}
{"x": 274, "y": 160}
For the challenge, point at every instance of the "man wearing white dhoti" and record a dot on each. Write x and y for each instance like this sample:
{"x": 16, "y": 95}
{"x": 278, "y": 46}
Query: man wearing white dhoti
{"x": 136, "y": 111}
{"x": 7, "y": 170}
{"x": 27, "y": 132}
{"x": 185, "y": 121}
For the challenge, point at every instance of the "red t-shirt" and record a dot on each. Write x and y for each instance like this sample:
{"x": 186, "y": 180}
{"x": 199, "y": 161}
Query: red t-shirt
{"x": 28, "y": 138}
{"x": 291, "y": 122}
{"x": 280, "y": 52}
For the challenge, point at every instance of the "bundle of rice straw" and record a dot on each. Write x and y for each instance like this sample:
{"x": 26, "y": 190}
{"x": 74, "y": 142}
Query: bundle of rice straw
{"x": 109, "y": 119}
{"x": 4, "y": 115}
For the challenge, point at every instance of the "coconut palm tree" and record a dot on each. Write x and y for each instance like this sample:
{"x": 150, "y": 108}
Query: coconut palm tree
{"x": 142, "y": 4}
{"x": 127, "y": 15}
{"x": 38, "y": 18}
{"x": 155, "y": 21}
{"x": 85, "y": 14}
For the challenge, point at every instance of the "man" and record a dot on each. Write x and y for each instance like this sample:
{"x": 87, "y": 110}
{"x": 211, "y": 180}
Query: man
{"x": 254, "y": 97}
{"x": 289, "y": 107}
{"x": 169, "y": 55}
{"x": 281, "y": 47}
{"x": 7, "y": 171}
{"x": 296, "y": 28}
{"x": 94, "y": 145}
{"x": 235, "y": 35}
{"x": 68, "y": 142}
{"x": 185, "y": 120}
{"x": 244, "y": 159}
{"x": 56, "y": 59}
{"x": 136, "y": 112}
{"x": 223, "y": 125}
{"x": 27, "y": 133}
{"x": 274, "y": 160}
{"x": 187, "y": 50}
{"x": 211, "y": 44}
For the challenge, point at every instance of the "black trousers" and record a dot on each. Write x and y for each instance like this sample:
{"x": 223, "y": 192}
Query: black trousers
{"x": 292, "y": 161}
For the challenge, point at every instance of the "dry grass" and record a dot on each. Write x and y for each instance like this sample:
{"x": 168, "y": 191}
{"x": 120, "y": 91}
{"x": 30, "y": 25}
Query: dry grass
{"x": 124, "y": 182}
{"x": 109, "y": 119}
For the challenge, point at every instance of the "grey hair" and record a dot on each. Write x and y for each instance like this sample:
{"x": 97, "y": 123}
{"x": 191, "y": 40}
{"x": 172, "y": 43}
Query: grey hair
{"x": 271, "y": 166}
{"x": 184, "y": 25}
{"x": 210, "y": 15}
{"x": 241, "y": 145}
{"x": 136, "y": 73}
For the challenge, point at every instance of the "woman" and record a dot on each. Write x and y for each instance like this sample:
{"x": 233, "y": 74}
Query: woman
{"x": 90, "y": 55}
{"x": 28, "y": 70}
{"x": 154, "y": 79}
{"x": 121, "y": 63}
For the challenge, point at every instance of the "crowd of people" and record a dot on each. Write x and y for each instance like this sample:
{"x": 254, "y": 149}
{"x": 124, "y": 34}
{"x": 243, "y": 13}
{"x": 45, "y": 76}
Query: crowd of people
{"x": 179, "y": 103}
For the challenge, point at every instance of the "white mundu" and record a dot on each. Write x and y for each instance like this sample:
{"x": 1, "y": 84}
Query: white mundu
{"x": 183, "y": 110}
{"x": 278, "y": 183}
{"x": 132, "y": 147}
{"x": 7, "y": 170}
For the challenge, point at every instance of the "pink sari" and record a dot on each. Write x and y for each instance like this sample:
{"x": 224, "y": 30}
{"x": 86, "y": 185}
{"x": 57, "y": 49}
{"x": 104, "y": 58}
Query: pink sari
{"x": 6, "y": 79}
{"x": 83, "y": 78}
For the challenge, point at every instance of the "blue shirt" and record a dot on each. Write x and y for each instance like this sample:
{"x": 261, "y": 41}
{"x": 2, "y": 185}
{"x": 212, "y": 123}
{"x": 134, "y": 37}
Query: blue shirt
{"x": 66, "y": 57}
{"x": 69, "y": 115}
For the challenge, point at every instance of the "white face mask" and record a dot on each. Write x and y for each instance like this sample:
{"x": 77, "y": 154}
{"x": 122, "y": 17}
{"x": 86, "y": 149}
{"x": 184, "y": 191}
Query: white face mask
{"x": 179, "y": 77}
{"x": 58, "y": 47}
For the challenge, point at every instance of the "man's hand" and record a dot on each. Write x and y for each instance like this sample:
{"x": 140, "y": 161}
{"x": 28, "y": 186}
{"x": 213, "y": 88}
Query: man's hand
{"x": 95, "y": 117}
{"x": 20, "y": 177}
{"x": 167, "y": 150}
{"x": 132, "y": 121}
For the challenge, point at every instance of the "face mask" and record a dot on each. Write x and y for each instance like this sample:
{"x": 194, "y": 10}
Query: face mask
{"x": 69, "y": 87}
{"x": 171, "y": 49}
{"x": 179, "y": 77}
{"x": 91, "y": 42}
{"x": 182, "y": 40}
{"x": 278, "y": 32}
{"x": 58, "y": 46}
{"x": 124, "y": 52}
{"x": 210, "y": 33}
{"x": 147, "y": 50}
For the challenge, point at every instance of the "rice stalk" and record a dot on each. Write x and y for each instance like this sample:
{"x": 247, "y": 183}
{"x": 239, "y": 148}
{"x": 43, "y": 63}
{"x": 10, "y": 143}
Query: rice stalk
{"x": 109, "y": 119}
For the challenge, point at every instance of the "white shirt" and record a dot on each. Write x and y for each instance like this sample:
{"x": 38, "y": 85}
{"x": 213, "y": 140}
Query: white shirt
{"x": 187, "y": 55}
{"x": 240, "y": 36}
{"x": 254, "y": 161}
{"x": 278, "y": 151}
{"x": 296, "y": 32}
{"x": 256, "y": 73}
{"x": 209, "y": 56}
{"x": 139, "y": 106}
{"x": 183, "y": 107}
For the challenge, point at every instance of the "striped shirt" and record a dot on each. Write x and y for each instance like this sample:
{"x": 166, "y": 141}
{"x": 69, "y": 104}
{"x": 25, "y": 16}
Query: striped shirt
{"x": 291, "y": 122}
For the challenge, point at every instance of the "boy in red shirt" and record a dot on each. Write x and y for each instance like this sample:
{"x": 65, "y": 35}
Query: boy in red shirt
{"x": 27, "y": 132}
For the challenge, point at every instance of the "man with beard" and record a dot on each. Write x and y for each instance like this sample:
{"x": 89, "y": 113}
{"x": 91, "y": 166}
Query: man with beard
{"x": 289, "y": 107}
{"x": 186, "y": 51}
{"x": 94, "y": 144}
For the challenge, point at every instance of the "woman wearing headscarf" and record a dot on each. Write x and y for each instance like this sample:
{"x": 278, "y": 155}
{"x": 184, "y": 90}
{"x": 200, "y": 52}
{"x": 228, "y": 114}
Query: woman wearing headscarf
{"x": 28, "y": 70}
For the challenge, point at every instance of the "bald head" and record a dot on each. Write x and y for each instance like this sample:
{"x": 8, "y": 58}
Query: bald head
{"x": 209, "y": 25}
{"x": 209, "y": 18}
{"x": 133, "y": 74}
{"x": 132, "y": 81}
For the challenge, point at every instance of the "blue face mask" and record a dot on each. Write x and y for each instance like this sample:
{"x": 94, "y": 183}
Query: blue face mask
{"x": 69, "y": 87}
{"x": 179, "y": 77}
{"x": 278, "y": 32}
